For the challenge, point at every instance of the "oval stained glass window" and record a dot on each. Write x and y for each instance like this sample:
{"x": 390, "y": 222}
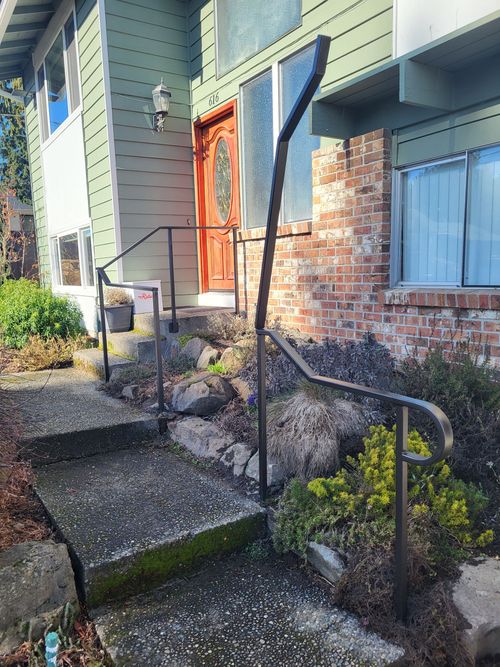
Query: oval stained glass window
{"x": 222, "y": 180}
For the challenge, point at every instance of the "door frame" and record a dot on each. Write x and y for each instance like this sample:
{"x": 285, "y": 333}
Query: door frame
{"x": 199, "y": 180}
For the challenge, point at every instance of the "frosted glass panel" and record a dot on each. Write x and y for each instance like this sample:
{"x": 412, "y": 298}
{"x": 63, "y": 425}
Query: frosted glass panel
{"x": 257, "y": 148}
{"x": 482, "y": 257}
{"x": 433, "y": 200}
{"x": 245, "y": 28}
{"x": 297, "y": 204}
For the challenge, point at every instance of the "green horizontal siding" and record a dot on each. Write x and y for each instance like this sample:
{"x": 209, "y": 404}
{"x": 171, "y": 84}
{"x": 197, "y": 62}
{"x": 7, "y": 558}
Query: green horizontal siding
{"x": 449, "y": 134}
{"x": 361, "y": 35}
{"x": 35, "y": 158}
{"x": 147, "y": 40}
{"x": 95, "y": 132}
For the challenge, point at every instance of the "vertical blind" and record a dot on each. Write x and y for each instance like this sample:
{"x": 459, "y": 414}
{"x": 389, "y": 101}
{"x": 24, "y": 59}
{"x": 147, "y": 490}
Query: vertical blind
{"x": 450, "y": 236}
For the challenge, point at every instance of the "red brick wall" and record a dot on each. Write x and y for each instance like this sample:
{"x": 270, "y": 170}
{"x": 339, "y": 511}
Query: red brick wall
{"x": 331, "y": 276}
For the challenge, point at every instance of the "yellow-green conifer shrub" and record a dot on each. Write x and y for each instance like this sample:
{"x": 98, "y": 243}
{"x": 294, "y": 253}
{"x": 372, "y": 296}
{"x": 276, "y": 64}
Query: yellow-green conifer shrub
{"x": 357, "y": 505}
{"x": 370, "y": 488}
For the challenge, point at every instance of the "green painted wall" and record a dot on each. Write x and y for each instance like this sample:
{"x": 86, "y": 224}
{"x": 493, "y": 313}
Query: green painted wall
{"x": 361, "y": 39}
{"x": 449, "y": 134}
{"x": 35, "y": 158}
{"x": 95, "y": 132}
{"x": 147, "y": 40}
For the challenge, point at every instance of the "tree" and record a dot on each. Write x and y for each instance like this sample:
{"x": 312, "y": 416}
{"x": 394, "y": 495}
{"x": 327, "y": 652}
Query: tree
{"x": 14, "y": 164}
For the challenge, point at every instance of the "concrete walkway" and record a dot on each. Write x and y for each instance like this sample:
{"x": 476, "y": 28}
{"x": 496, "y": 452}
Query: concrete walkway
{"x": 65, "y": 417}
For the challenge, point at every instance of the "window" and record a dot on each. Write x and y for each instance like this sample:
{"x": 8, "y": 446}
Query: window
{"x": 241, "y": 33}
{"x": 72, "y": 260}
{"x": 57, "y": 81}
{"x": 450, "y": 221}
{"x": 271, "y": 96}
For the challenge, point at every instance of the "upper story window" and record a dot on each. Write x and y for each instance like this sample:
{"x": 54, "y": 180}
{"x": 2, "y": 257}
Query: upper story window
{"x": 57, "y": 80}
{"x": 241, "y": 33}
{"x": 266, "y": 101}
{"x": 449, "y": 222}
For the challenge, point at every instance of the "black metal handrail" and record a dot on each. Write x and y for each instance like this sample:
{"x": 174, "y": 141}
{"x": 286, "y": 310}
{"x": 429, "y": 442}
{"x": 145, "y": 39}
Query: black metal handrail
{"x": 402, "y": 403}
{"x": 103, "y": 279}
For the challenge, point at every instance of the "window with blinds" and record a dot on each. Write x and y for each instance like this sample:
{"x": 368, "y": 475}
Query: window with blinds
{"x": 449, "y": 223}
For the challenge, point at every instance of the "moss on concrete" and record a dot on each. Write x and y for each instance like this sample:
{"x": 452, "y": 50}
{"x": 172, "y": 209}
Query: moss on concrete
{"x": 153, "y": 567}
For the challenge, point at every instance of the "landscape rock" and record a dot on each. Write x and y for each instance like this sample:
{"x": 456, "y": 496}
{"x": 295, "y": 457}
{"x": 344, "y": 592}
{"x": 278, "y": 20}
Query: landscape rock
{"x": 477, "y": 596}
{"x": 242, "y": 388}
{"x": 194, "y": 347}
{"x": 130, "y": 391}
{"x": 237, "y": 457}
{"x": 36, "y": 584}
{"x": 208, "y": 356}
{"x": 202, "y": 438}
{"x": 202, "y": 395}
{"x": 326, "y": 561}
{"x": 234, "y": 357}
{"x": 275, "y": 472}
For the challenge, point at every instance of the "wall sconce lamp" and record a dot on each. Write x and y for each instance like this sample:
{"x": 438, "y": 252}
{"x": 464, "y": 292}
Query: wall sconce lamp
{"x": 161, "y": 101}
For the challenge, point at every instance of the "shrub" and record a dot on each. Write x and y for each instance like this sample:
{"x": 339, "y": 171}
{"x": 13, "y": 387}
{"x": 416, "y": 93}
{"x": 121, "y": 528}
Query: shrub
{"x": 357, "y": 504}
{"x": 40, "y": 353}
{"x": 229, "y": 327}
{"x": 362, "y": 362}
{"x": 240, "y": 421}
{"x": 117, "y": 296}
{"x": 29, "y": 310}
{"x": 305, "y": 431}
{"x": 464, "y": 385}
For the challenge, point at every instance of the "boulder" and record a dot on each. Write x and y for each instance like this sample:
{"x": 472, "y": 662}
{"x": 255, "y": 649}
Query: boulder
{"x": 237, "y": 457}
{"x": 477, "y": 596}
{"x": 130, "y": 391}
{"x": 275, "y": 472}
{"x": 208, "y": 356}
{"x": 202, "y": 394}
{"x": 326, "y": 561}
{"x": 36, "y": 584}
{"x": 242, "y": 388}
{"x": 194, "y": 347}
{"x": 234, "y": 357}
{"x": 202, "y": 438}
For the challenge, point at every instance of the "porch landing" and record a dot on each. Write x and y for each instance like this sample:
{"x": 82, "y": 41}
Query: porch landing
{"x": 191, "y": 319}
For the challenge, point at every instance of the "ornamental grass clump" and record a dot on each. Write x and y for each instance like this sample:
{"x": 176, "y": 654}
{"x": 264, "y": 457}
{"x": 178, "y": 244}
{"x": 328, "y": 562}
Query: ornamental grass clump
{"x": 305, "y": 431}
{"x": 357, "y": 504}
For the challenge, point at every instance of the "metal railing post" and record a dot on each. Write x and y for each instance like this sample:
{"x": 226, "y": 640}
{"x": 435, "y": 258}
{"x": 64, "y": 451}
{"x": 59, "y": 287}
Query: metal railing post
{"x": 235, "y": 272}
{"x": 401, "y": 556}
{"x": 159, "y": 360}
{"x": 262, "y": 407}
{"x": 173, "y": 326}
{"x": 103, "y": 327}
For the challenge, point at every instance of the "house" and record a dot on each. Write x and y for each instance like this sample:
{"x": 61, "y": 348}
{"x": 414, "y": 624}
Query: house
{"x": 18, "y": 231}
{"x": 391, "y": 211}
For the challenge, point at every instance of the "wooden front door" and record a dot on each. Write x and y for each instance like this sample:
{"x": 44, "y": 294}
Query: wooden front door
{"x": 218, "y": 194}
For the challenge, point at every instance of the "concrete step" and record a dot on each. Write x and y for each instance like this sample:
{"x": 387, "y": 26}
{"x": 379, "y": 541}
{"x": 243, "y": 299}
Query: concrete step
{"x": 65, "y": 417}
{"x": 91, "y": 361}
{"x": 239, "y": 613}
{"x": 192, "y": 319}
{"x": 137, "y": 346}
{"x": 135, "y": 518}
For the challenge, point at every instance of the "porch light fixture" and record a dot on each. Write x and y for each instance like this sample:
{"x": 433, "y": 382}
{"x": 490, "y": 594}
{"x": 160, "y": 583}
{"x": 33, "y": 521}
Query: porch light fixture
{"x": 161, "y": 101}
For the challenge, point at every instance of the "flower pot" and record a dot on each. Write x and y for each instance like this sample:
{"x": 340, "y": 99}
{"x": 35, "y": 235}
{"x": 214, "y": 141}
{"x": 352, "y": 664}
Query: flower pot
{"x": 119, "y": 318}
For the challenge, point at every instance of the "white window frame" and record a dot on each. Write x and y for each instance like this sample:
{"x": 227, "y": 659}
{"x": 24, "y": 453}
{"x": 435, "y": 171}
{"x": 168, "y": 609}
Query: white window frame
{"x": 39, "y": 64}
{"x": 396, "y": 267}
{"x": 277, "y": 102}
{"x": 85, "y": 286}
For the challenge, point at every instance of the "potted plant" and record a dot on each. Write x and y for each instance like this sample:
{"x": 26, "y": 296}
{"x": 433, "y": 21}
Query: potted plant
{"x": 118, "y": 305}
